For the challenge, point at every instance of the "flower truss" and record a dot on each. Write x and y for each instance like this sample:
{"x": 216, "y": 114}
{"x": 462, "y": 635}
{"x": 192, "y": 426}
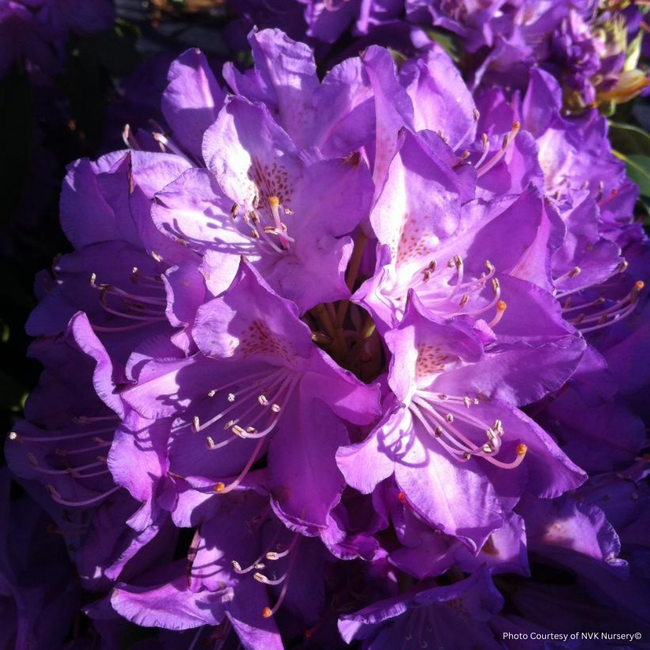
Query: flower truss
{"x": 351, "y": 360}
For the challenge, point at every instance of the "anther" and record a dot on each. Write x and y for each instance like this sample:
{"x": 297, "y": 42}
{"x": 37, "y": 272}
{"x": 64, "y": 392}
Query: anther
{"x": 276, "y": 408}
{"x": 267, "y": 613}
{"x": 521, "y": 449}
{"x": 576, "y": 270}
{"x": 262, "y": 400}
{"x": 238, "y": 431}
{"x": 501, "y": 308}
{"x": 13, "y": 435}
{"x": 231, "y": 397}
{"x": 196, "y": 423}
{"x": 219, "y": 487}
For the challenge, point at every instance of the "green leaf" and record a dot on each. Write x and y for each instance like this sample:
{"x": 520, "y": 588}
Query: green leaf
{"x": 446, "y": 41}
{"x": 638, "y": 169}
{"x": 629, "y": 140}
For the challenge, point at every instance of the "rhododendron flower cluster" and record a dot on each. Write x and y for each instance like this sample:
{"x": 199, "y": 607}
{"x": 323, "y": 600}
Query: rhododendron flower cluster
{"x": 347, "y": 360}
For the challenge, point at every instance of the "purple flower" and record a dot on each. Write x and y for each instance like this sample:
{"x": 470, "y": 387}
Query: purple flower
{"x": 319, "y": 22}
{"x": 272, "y": 207}
{"x": 297, "y": 366}
{"x": 258, "y": 385}
{"x": 439, "y": 615}
{"x": 438, "y": 431}
{"x": 582, "y": 46}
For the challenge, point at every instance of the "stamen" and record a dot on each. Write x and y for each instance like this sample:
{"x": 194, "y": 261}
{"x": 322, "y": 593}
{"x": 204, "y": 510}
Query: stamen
{"x": 274, "y": 556}
{"x": 268, "y": 612}
{"x": 452, "y": 439}
{"x": 274, "y": 204}
{"x": 507, "y": 140}
{"x": 14, "y": 436}
{"x": 501, "y": 309}
{"x": 575, "y": 271}
{"x": 258, "y": 563}
{"x": 222, "y": 488}
{"x": 619, "y": 310}
{"x": 88, "y": 502}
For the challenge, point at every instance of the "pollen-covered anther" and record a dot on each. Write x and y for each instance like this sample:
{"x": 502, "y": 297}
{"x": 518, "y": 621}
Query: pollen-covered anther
{"x": 501, "y": 308}
{"x": 575, "y": 271}
{"x": 219, "y": 487}
{"x": 267, "y": 612}
{"x": 522, "y": 449}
